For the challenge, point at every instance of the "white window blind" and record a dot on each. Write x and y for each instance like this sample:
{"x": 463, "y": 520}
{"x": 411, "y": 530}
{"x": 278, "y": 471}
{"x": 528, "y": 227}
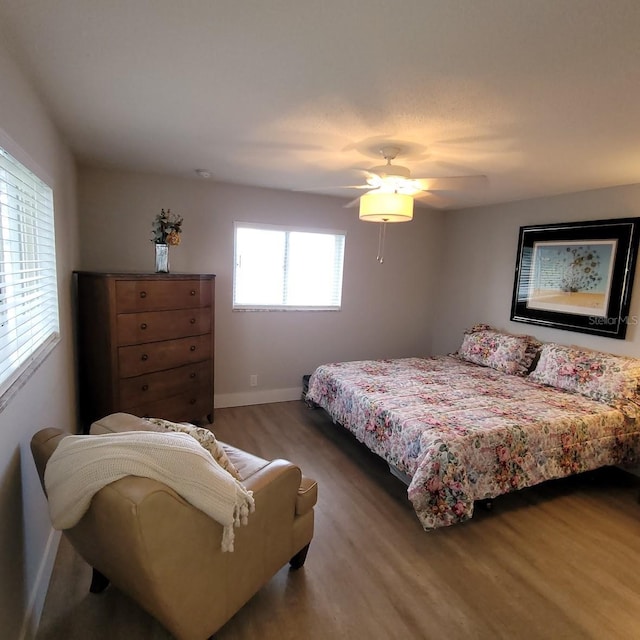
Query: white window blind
{"x": 28, "y": 287}
{"x": 285, "y": 268}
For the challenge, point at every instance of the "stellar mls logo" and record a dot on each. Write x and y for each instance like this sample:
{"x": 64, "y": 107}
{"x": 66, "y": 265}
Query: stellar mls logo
{"x": 630, "y": 321}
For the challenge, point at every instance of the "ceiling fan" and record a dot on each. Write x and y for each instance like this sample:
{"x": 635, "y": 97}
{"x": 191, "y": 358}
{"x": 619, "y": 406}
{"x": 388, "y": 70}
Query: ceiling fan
{"x": 393, "y": 178}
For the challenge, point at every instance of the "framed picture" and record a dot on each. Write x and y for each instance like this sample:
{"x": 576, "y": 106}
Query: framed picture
{"x": 576, "y": 276}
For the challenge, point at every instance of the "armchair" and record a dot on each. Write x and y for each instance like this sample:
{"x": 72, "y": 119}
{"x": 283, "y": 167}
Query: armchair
{"x": 166, "y": 555}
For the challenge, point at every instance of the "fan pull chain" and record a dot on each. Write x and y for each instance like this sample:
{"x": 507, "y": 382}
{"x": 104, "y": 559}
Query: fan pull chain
{"x": 381, "y": 235}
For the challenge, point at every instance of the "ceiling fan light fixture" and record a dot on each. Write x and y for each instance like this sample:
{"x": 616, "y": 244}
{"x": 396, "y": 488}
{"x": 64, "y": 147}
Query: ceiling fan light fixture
{"x": 386, "y": 207}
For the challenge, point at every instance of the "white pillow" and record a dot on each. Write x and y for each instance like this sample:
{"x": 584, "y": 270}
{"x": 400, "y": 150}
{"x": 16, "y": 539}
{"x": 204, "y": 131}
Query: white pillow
{"x": 206, "y": 439}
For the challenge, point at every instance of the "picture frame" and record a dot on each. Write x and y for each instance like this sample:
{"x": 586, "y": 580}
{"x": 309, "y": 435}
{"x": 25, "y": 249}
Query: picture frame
{"x": 576, "y": 276}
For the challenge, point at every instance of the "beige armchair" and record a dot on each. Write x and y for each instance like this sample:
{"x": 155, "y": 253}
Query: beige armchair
{"x": 165, "y": 554}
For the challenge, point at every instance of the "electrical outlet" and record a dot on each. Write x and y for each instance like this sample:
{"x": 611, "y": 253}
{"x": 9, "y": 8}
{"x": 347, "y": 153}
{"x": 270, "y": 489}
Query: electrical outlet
{"x": 253, "y": 380}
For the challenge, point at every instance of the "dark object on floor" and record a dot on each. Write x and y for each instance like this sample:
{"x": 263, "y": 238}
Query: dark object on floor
{"x": 305, "y": 385}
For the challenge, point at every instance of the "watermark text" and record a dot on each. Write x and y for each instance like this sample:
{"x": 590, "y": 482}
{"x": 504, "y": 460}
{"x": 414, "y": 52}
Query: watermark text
{"x": 630, "y": 321}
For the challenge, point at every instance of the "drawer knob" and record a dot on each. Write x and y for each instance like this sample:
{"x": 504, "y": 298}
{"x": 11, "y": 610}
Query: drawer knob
{"x": 143, "y": 294}
{"x": 192, "y": 347}
{"x": 192, "y": 401}
{"x": 144, "y": 357}
{"x": 192, "y": 292}
{"x": 145, "y": 387}
{"x": 192, "y": 374}
{"x": 192, "y": 321}
{"x": 143, "y": 326}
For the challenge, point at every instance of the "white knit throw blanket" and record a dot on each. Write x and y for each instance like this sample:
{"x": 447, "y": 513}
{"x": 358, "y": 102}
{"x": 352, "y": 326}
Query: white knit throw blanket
{"x": 82, "y": 465}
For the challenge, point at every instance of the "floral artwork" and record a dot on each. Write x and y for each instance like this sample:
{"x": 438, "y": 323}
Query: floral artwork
{"x": 464, "y": 432}
{"x": 581, "y": 267}
{"x": 572, "y": 276}
{"x": 577, "y": 276}
{"x": 167, "y": 228}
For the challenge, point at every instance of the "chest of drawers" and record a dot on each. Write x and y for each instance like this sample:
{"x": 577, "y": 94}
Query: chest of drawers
{"x": 145, "y": 345}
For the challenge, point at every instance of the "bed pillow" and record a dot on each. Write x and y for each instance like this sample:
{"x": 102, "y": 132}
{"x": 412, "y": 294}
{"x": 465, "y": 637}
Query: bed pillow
{"x": 606, "y": 378}
{"x": 505, "y": 352}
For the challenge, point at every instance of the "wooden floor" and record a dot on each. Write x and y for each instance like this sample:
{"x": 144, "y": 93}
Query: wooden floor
{"x": 558, "y": 561}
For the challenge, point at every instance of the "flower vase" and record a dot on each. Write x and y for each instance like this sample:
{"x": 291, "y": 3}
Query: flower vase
{"x": 162, "y": 258}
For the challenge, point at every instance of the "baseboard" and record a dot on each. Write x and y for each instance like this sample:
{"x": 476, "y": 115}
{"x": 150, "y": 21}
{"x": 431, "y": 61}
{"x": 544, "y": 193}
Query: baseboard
{"x": 246, "y": 398}
{"x": 39, "y": 592}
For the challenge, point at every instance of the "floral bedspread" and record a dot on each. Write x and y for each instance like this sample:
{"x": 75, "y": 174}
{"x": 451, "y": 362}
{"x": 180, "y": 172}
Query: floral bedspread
{"x": 464, "y": 432}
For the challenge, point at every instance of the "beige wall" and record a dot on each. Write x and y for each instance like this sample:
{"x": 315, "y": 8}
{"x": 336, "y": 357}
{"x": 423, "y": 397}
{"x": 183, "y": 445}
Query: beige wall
{"x": 387, "y": 309}
{"x": 27, "y": 543}
{"x": 480, "y": 260}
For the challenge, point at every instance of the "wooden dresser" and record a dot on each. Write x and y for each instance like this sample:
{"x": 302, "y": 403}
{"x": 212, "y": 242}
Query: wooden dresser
{"x": 145, "y": 345}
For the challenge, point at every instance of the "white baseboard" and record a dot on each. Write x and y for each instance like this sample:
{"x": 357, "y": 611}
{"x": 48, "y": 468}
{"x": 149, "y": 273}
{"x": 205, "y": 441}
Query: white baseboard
{"x": 39, "y": 592}
{"x": 246, "y": 398}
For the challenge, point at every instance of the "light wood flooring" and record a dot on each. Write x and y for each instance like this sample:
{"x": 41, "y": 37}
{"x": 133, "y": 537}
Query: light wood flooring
{"x": 557, "y": 561}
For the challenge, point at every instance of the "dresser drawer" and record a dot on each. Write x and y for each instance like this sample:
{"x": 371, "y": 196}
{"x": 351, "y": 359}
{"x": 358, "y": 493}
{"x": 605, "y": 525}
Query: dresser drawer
{"x": 158, "y": 295}
{"x": 162, "y": 384}
{"x": 184, "y": 407}
{"x": 137, "y": 360}
{"x": 138, "y": 328}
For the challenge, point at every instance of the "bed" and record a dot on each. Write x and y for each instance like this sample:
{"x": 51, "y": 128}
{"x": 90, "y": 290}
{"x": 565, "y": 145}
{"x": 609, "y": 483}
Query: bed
{"x": 461, "y": 428}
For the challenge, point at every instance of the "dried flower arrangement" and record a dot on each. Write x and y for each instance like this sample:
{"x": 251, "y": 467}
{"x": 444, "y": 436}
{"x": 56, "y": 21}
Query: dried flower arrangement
{"x": 167, "y": 228}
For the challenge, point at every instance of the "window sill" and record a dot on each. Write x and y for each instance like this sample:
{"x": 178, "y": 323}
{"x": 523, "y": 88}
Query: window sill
{"x": 256, "y": 308}
{"x": 24, "y": 372}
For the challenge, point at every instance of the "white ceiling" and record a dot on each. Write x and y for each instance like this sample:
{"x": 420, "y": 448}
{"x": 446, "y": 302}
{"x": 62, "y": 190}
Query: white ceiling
{"x": 541, "y": 96}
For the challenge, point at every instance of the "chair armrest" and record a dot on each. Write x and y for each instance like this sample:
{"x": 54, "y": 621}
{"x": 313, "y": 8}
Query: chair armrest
{"x": 307, "y": 495}
{"x": 43, "y": 444}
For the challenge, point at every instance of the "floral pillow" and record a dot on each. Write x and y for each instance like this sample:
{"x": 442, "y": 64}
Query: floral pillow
{"x": 499, "y": 350}
{"x": 614, "y": 380}
{"x": 206, "y": 439}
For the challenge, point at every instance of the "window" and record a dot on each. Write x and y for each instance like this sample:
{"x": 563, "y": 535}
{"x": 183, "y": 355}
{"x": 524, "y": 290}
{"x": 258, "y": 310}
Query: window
{"x": 284, "y": 268}
{"x": 28, "y": 288}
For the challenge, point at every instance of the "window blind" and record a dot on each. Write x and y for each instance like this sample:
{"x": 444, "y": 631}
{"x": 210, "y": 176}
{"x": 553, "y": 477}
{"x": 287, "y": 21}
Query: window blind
{"x": 28, "y": 285}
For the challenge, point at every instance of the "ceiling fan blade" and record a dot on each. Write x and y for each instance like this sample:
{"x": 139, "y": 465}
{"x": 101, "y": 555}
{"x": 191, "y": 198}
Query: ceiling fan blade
{"x": 452, "y": 183}
{"x": 352, "y": 204}
{"x": 432, "y": 200}
{"x": 342, "y": 186}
